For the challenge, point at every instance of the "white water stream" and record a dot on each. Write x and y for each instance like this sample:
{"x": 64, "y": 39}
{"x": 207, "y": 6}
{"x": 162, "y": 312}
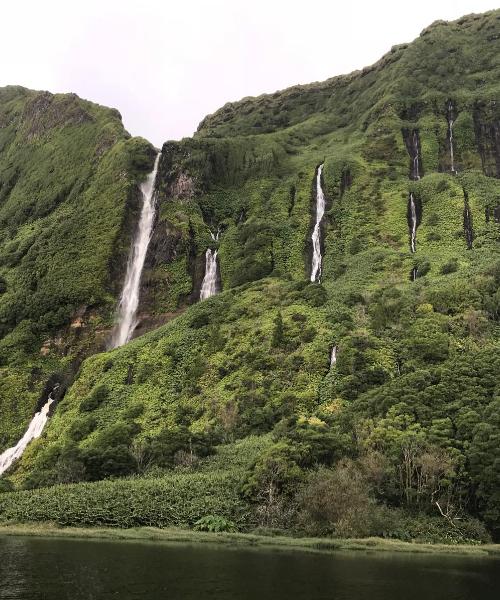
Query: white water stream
{"x": 129, "y": 300}
{"x": 416, "y": 156}
{"x": 333, "y": 356}
{"x": 316, "y": 234}
{"x": 413, "y": 224}
{"x": 450, "y": 127}
{"x": 35, "y": 428}
{"x": 209, "y": 285}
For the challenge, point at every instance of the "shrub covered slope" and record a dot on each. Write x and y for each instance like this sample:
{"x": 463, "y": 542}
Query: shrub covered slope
{"x": 400, "y": 435}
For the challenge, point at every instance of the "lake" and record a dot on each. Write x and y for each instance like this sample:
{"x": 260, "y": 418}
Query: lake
{"x": 52, "y": 569}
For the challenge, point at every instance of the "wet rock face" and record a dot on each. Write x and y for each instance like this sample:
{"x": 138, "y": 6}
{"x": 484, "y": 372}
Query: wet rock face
{"x": 468, "y": 229}
{"x": 174, "y": 179}
{"x": 493, "y": 213}
{"x": 345, "y": 180}
{"x": 182, "y": 187}
{"x": 487, "y": 131}
{"x": 411, "y": 139}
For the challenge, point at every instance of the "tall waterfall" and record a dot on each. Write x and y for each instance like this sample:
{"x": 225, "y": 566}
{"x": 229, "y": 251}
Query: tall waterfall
{"x": 316, "y": 234}
{"x": 450, "y": 136}
{"x": 209, "y": 285}
{"x": 416, "y": 155}
{"x": 35, "y": 428}
{"x": 129, "y": 300}
{"x": 412, "y": 221}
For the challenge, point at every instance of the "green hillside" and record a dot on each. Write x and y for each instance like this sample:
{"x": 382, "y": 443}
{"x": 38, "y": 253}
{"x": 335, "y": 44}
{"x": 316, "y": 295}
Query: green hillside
{"x": 233, "y": 401}
{"x": 68, "y": 200}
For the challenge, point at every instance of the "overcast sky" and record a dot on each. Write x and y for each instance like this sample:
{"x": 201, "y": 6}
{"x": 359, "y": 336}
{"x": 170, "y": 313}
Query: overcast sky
{"x": 166, "y": 64}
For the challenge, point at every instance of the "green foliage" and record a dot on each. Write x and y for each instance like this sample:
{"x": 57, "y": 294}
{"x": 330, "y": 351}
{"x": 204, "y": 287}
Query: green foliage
{"x": 215, "y": 524}
{"x": 175, "y": 500}
{"x": 450, "y": 267}
{"x": 278, "y": 332}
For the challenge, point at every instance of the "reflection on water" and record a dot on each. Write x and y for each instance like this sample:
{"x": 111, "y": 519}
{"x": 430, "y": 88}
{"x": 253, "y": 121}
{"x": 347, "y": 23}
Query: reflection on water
{"x": 48, "y": 569}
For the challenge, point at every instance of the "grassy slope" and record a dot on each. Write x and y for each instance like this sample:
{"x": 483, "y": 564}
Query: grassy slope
{"x": 252, "y": 167}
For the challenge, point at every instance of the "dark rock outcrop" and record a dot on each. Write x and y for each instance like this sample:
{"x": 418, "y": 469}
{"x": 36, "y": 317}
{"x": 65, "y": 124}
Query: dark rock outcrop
{"x": 468, "y": 229}
{"x": 487, "y": 131}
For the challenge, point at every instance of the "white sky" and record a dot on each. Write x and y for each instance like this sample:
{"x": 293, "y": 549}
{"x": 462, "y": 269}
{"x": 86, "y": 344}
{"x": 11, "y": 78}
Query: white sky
{"x": 166, "y": 64}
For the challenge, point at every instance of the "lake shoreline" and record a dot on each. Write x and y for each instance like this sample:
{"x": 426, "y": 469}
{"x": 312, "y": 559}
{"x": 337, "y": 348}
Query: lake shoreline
{"x": 246, "y": 540}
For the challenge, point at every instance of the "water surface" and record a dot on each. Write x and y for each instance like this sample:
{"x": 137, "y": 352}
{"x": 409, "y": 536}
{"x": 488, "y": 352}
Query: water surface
{"x": 51, "y": 569}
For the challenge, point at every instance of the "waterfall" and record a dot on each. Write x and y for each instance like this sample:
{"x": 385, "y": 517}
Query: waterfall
{"x": 129, "y": 300}
{"x": 209, "y": 285}
{"x": 414, "y": 274}
{"x": 412, "y": 218}
{"x": 215, "y": 236}
{"x": 316, "y": 234}
{"x": 333, "y": 356}
{"x": 450, "y": 136}
{"x": 416, "y": 155}
{"x": 34, "y": 431}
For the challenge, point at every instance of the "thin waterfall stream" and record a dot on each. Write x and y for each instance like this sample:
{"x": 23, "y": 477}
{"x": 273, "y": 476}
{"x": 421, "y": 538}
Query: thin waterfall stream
{"x": 333, "y": 356}
{"x": 35, "y": 428}
{"x": 450, "y": 136}
{"x": 316, "y": 234}
{"x": 129, "y": 300}
{"x": 412, "y": 219}
{"x": 416, "y": 155}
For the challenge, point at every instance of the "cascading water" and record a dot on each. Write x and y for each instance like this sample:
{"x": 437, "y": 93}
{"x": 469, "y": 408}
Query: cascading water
{"x": 416, "y": 155}
{"x": 333, "y": 356}
{"x": 316, "y": 234}
{"x": 412, "y": 221}
{"x": 35, "y": 428}
{"x": 450, "y": 136}
{"x": 129, "y": 300}
{"x": 209, "y": 285}
{"x": 215, "y": 236}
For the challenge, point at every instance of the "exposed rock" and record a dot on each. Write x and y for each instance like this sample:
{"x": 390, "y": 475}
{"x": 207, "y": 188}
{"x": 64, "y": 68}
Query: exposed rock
{"x": 182, "y": 187}
{"x": 46, "y": 111}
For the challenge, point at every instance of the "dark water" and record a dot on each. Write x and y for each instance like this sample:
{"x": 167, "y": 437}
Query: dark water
{"x": 32, "y": 568}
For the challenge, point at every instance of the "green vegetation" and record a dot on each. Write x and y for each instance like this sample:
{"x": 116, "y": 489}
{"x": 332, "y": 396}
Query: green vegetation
{"x": 188, "y": 536}
{"x": 64, "y": 163}
{"x": 230, "y": 414}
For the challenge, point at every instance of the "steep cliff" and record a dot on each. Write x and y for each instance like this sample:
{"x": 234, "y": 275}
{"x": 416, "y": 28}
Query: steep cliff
{"x": 68, "y": 205}
{"x": 410, "y": 393}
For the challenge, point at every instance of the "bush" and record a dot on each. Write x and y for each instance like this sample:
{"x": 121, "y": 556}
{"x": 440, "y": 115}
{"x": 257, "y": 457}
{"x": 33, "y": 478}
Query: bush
{"x": 6, "y": 485}
{"x": 215, "y": 524}
{"x": 81, "y": 427}
{"x": 337, "y": 501}
{"x": 173, "y": 500}
{"x": 437, "y": 530}
{"x": 450, "y": 267}
{"x": 315, "y": 295}
{"x": 98, "y": 395}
